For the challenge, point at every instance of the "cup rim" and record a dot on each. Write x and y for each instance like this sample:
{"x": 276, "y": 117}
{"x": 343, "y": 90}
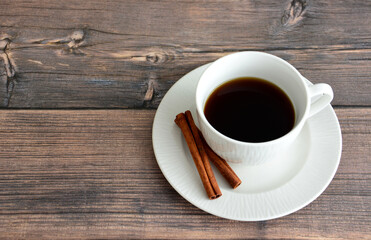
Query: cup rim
{"x": 296, "y": 128}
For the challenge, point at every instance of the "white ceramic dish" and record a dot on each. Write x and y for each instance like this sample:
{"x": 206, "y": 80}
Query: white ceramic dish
{"x": 274, "y": 189}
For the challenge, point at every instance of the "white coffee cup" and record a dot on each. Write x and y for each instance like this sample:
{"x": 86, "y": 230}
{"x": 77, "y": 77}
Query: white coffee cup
{"x": 307, "y": 102}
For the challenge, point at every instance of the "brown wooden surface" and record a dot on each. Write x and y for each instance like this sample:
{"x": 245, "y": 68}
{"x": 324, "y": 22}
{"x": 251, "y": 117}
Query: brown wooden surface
{"x": 73, "y": 173}
{"x": 105, "y": 54}
{"x": 89, "y": 173}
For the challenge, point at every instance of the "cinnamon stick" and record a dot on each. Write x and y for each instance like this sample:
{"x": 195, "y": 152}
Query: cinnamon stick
{"x": 221, "y": 165}
{"x": 181, "y": 121}
{"x": 203, "y": 154}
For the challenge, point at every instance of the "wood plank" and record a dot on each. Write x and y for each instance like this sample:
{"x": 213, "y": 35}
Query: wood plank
{"x": 92, "y": 173}
{"x": 127, "y": 54}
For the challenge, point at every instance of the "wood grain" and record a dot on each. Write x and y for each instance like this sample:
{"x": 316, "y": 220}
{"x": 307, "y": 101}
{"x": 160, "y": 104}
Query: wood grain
{"x": 92, "y": 174}
{"x": 127, "y": 54}
{"x": 71, "y": 174}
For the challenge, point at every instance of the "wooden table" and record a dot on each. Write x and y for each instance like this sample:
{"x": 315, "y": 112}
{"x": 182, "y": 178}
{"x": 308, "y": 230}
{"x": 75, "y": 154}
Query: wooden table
{"x": 80, "y": 82}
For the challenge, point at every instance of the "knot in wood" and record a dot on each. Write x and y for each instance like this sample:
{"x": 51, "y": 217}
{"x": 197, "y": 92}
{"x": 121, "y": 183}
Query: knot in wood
{"x": 159, "y": 56}
{"x": 77, "y": 39}
{"x": 292, "y": 14}
{"x": 77, "y": 36}
{"x": 4, "y": 44}
{"x": 156, "y": 58}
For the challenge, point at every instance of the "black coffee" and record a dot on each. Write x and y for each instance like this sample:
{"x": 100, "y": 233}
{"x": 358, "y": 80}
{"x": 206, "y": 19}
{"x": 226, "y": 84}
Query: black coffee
{"x": 250, "y": 109}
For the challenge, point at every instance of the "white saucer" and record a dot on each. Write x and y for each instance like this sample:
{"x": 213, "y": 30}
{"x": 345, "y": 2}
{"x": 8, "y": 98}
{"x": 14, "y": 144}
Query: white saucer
{"x": 275, "y": 189}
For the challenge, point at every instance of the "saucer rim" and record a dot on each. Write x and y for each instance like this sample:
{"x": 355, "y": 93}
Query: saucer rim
{"x": 273, "y": 216}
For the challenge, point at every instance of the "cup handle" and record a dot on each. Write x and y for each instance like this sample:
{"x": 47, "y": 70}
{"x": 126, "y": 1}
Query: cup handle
{"x": 321, "y": 95}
